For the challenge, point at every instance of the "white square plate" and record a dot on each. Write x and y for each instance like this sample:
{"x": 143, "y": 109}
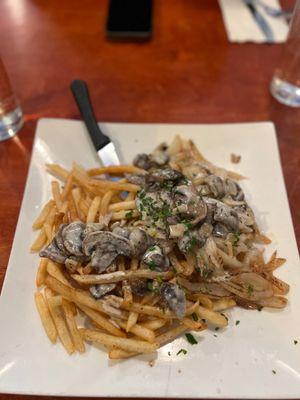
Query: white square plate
{"x": 235, "y": 363}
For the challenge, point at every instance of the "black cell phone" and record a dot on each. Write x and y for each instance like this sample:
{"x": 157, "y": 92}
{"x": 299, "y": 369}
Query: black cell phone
{"x": 129, "y": 19}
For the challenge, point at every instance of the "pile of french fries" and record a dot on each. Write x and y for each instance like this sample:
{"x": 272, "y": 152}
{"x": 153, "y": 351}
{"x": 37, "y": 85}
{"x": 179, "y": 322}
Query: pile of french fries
{"x": 126, "y": 326}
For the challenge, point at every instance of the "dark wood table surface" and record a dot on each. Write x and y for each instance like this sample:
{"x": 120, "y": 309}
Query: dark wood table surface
{"x": 188, "y": 72}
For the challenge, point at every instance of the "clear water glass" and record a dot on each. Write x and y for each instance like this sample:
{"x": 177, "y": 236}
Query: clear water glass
{"x": 285, "y": 84}
{"x": 11, "y": 117}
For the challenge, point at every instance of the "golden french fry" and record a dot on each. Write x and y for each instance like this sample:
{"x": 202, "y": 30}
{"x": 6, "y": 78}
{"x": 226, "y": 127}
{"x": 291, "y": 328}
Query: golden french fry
{"x": 61, "y": 326}
{"x": 56, "y": 195}
{"x": 132, "y": 345}
{"x": 93, "y": 210}
{"x": 72, "y": 208}
{"x": 105, "y": 202}
{"x": 118, "y": 354}
{"x": 132, "y": 320}
{"x": 39, "y": 242}
{"x": 117, "y": 216}
{"x": 81, "y": 297}
{"x": 101, "y": 321}
{"x": 203, "y": 299}
{"x": 171, "y": 334}
{"x": 39, "y": 222}
{"x": 212, "y": 317}
{"x": 123, "y": 205}
{"x": 54, "y": 270}
{"x": 67, "y": 187}
{"x": 45, "y": 316}
{"x": 130, "y": 196}
{"x": 110, "y": 185}
{"x": 58, "y": 171}
{"x": 193, "y": 325}
{"x": 223, "y": 304}
{"x": 76, "y": 195}
{"x": 140, "y": 331}
{"x": 116, "y": 170}
{"x": 119, "y": 276}
{"x": 42, "y": 272}
{"x": 149, "y": 310}
{"x": 154, "y": 324}
{"x": 70, "y": 319}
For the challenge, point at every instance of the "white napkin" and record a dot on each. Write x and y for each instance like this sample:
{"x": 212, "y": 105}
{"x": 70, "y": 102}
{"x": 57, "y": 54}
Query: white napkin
{"x": 241, "y": 26}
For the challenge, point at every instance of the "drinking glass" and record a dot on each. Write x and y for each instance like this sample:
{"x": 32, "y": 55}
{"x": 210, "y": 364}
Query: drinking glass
{"x": 285, "y": 84}
{"x": 10, "y": 112}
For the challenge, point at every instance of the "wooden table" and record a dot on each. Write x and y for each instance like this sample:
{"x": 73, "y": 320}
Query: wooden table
{"x": 189, "y": 72}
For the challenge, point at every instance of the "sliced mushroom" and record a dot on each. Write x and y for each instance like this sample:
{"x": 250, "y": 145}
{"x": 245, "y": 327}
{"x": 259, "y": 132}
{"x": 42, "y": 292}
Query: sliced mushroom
{"x": 71, "y": 264}
{"x": 142, "y": 161}
{"x": 139, "y": 241}
{"x": 53, "y": 253}
{"x": 156, "y": 259}
{"x": 220, "y": 230}
{"x": 160, "y": 155}
{"x": 72, "y": 235}
{"x": 97, "y": 291}
{"x": 175, "y": 298}
{"x": 162, "y": 175}
{"x": 190, "y": 204}
{"x": 136, "y": 179}
{"x": 59, "y": 240}
{"x": 124, "y": 232}
{"x": 216, "y": 186}
{"x": 104, "y": 247}
{"x": 139, "y": 287}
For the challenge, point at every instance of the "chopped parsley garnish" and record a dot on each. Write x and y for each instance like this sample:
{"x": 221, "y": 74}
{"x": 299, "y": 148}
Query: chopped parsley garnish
{"x": 159, "y": 279}
{"x": 236, "y": 239}
{"x": 259, "y": 308}
{"x": 187, "y": 224}
{"x": 152, "y": 265}
{"x": 195, "y": 317}
{"x": 295, "y": 341}
{"x": 274, "y": 372}
{"x": 151, "y": 248}
{"x": 191, "y": 338}
{"x": 129, "y": 214}
{"x": 191, "y": 243}
{"x": 250, "y": 290}
{"x": 169, "y": 353}
{"x": 183, "y": 351}
{"x": 151, "y": 288}
{"x": 203, "y": 320}
{"x": 237, "y": 322}
{"x": 215, "y": 335}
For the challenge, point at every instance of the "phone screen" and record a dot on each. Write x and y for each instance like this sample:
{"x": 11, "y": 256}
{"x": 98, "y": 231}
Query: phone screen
{"x": 129, "y": 19}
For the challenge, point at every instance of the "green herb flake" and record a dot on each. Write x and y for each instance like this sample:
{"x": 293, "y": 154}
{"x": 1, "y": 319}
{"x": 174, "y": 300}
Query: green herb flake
{"x": 237, "y": 322}
{"x": 295, "y": 341}
{"x": 203, "y": 320}
{"x": 152, "y": 265}
{"x": 183, "y": 351}
{"x": 215, "y": 335}
{"x": 274, "y": 372}
{"x": 187, "y": 224}
{"x": 191, "y": 243}
{"x": 169, "y": 353}
{"x": 217, "y": 328}
{"x": 129, "y": 214}
{"x": 151, "y": 288}
{"x": 191, "y": 338}
{"x": 195, "y": 317}
{"x": 250, "y": 290}
{"x": 236, "y": 239}
{"x": 159, "y": 279}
